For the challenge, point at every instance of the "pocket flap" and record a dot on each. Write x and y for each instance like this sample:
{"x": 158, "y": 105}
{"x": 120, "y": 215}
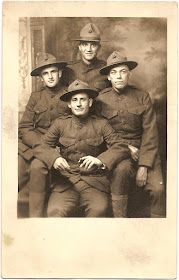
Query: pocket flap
{"x": 95, "y": 141}
{"x": 109, "y": 114}
{"x": 40, "y": 108}
{"x": 136, "y": 110}
{"x": 67, "y": 141}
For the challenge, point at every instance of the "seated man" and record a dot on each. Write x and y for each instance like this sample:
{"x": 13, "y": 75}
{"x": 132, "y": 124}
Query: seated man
{"x": 130, "y": 112}
{"x": 79, "y": 172}
{"x": 43, "y": 107}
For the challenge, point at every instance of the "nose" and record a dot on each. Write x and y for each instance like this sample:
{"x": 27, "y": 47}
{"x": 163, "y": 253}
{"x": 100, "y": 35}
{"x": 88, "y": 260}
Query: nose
{"x": 119, "y": 75}
{"x": 78, "y": 103}
{"x": 50, "y": 75}
{"x": 88, "y": 48}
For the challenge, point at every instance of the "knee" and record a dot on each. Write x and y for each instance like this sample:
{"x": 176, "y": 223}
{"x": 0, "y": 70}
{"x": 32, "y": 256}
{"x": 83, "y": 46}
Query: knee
{"x": 123, "y": 168}
{"x": 157, "y": 190}
{"x": 56, "y": 212}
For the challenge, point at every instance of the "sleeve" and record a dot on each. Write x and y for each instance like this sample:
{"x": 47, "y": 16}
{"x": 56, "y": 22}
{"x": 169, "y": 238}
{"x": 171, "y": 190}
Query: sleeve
{"x": 116, "y": 151}
{"x": 26, "y": 126}
{"x": 45, "y": 149}
{"x": 149, "y": 144}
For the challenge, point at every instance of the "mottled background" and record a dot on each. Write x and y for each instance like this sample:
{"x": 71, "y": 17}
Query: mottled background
{"x": 142, "y": 39}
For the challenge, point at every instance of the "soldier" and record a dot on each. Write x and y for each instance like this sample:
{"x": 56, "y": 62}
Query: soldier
{"x": 43, "y": 107}
{"x": 80, "y": 177}
{"x": 130, "y": 112}
{"x": 87, "y": 68}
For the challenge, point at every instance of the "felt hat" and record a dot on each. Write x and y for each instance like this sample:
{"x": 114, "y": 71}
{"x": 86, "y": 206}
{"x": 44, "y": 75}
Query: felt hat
{"x": 90, "y": 32}
{"x": 76, "y": 87}
{"x": 116, "y": 59}
{"x": 44, "y": 60}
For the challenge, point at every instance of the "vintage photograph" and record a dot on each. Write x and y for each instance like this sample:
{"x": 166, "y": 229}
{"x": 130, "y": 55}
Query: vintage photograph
{"x": 92, "y": 117}
{"x": 89, "y": 134}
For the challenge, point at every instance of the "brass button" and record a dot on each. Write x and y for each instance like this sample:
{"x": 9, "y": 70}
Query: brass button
{"x": 76, "y": 83}
{"x": 114, "y": 56}
{"x": 90, "y": 31}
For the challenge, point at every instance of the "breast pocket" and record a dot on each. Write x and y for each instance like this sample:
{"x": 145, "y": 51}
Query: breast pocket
{"x": 109, "y": 114}
{"x": 41, "y": 118}
{"x": 94, "y": 146}
{"x": 66, "y": 146}
{"x": 135, "y": 116}
{"x": 67, "y": 142}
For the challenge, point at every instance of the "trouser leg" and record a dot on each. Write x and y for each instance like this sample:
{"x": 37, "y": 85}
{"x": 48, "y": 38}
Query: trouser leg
{"x": 61, "y": 204}
{"x": 37, "y": 188}
{"x": 95, "y": 202}
{"x": 122, "y": 178}
{"x": 23, "y": 172}
{"x": 156, "y": 188}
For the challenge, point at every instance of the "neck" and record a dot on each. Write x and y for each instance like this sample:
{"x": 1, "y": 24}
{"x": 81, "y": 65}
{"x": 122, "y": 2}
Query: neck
{"x": 56, "y": 88}
{"x": 87, "y": 62}
{"x": 119, "y": 90}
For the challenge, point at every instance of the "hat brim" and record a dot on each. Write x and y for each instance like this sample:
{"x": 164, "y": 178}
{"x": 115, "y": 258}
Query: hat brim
{"x": 37, "y": 71}
{"x": 105, "y": 70}
{"x": 91, "y": 92}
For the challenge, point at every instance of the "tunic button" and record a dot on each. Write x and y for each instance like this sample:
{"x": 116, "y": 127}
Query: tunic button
{"x": 37, "y": 112}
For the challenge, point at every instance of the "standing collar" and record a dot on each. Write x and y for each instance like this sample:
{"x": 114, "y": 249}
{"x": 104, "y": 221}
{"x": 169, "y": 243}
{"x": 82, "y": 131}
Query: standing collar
{"x": 92, "y": 65}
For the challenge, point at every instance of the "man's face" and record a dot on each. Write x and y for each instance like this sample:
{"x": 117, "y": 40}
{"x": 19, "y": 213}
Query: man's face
{"x": 80, "y": 104}
{"x": 119, "y": 76}
{"x": 89, "y": 50}
{"x": 51, "y": 76}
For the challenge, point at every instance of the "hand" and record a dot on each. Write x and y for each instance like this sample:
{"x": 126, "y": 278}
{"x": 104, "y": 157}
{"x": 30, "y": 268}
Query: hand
{"x": 89, "y": 161}
{"x": 141, "y": 177}
{"x": 61, "y": 164}
{"x": 134, "y": 152}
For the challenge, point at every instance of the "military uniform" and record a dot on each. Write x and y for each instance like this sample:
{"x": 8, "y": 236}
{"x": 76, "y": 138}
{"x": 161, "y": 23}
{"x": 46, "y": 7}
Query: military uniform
{"x": 89, "y": 73}
{"x": 131, "y": 114}
{"x": 78, "y": 138}
{"x": 43, "y": 107}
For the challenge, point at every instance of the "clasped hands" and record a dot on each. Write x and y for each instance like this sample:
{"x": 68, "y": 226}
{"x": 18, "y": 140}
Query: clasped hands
{"x": 86, "y": 162}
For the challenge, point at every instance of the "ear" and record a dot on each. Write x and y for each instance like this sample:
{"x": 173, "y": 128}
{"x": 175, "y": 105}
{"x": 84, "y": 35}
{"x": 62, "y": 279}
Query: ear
{"x": 109, "y": 79}
{"x": 69, "y": 104}
{"x": 90, "y": 102}
{"x": 129, "y": 74}
{"x": 59, "y": 73}
{"x": 79, "y": 47}
{"x": 41, "y": 78}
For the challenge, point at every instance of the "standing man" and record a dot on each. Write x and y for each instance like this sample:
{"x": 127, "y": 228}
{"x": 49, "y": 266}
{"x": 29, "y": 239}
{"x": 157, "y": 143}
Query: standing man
{"x": 130, "y": 112}
{"x": 87, "y": 68}
{"x": 43, "y": 107}
{"x": 81, "y": 167}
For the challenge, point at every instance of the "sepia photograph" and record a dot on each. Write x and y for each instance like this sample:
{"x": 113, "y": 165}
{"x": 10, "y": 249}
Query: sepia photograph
{"x": 105, "y": 81}
{"x": 89, "y": 130}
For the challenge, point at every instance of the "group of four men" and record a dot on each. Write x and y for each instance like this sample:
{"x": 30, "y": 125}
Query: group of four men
{"x": 94, "y": 138}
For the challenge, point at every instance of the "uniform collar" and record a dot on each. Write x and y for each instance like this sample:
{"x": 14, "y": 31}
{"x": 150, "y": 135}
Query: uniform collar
{"x": 81, "y": 121}
{"x": 121, "y": 92}
{"x": 92, "y": 65}
{"x": 55, "y": 90}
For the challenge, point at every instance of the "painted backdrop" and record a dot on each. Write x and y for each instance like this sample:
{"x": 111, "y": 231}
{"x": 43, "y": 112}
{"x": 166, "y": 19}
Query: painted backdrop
{"x": 142, "y": 39}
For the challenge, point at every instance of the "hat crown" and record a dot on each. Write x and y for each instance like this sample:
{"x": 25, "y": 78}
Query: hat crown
{"x": 43, "y": 59}
{"x": 116, "y": 57}
{"x": 78, "y": 85}
{"x": 90, "y": 31}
